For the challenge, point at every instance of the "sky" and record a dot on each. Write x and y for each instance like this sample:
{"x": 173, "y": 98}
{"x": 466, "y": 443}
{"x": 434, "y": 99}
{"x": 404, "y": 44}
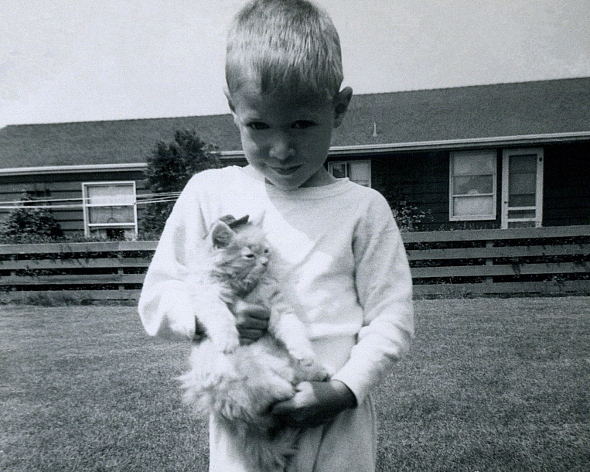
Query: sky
{"x": 87, "y": 60}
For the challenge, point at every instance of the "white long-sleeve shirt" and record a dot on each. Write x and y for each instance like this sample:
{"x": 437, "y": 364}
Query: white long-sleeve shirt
{"x": 342, "y": 260}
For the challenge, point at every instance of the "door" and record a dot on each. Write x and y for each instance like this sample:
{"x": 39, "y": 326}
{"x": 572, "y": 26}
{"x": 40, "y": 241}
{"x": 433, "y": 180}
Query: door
{"x": 522, "y": 188}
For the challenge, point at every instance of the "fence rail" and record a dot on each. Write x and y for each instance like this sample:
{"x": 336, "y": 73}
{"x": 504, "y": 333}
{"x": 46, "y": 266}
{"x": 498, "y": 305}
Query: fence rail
{"x": 542, "y": 261}
{"x": 524, "y": 261}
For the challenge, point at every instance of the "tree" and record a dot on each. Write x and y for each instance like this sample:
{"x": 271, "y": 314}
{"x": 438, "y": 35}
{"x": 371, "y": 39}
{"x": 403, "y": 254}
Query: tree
{"x": 29, "y": 222}
{"x": 169, "y": 169}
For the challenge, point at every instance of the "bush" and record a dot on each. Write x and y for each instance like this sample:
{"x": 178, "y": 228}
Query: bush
{"x": 407, "y": 216}
{"x": 29, "y": 223}
{"x": 170, "y": 167}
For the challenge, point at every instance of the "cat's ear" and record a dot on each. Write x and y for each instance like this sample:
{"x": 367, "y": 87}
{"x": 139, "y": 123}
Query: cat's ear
{"x": 221, "y": 235}
{"x": 257, "y": 218}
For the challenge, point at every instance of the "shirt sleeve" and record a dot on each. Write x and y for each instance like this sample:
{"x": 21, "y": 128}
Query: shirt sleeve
{"x": 384, "y": 289}
{"x": 174, "y": 290}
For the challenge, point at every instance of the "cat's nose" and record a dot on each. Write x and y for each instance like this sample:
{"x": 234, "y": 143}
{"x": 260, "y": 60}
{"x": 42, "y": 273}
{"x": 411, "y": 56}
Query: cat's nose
{"x": 264, "y": 261}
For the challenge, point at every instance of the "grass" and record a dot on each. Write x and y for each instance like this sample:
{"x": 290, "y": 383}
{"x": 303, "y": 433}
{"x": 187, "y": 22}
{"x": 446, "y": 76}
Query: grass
{"x": 490, "y": 385}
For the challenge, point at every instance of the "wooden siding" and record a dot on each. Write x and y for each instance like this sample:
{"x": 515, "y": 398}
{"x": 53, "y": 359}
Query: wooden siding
{"x": 63, "y": 186}
{"x": 420, "y": 178}
{"x": 567, "y": 185}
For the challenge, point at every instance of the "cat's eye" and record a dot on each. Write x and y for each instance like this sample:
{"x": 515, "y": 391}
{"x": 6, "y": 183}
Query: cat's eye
{"x": 247, "y": 253}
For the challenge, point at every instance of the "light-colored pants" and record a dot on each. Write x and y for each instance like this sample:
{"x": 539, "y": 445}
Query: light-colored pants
{"x": 347, "y": 444}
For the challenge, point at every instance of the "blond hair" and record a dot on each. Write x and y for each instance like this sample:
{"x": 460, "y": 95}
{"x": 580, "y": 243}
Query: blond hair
{"x": 285, "y": 45}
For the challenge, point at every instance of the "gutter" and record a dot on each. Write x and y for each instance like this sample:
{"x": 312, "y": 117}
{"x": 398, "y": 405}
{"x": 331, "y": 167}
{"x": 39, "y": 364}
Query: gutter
{"x": 139, "y": 166}
{"x": 449, "y": 144}
{"x": 336, "y": 151}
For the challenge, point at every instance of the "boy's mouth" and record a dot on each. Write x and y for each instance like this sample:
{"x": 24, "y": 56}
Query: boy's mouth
{"x": 286, "y": 170}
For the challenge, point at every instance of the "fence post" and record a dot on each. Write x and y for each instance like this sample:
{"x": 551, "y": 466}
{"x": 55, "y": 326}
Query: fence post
{"x": 489, "y": 262}
{"x": 13, "y": 257}
{"x": 120, "y": 269}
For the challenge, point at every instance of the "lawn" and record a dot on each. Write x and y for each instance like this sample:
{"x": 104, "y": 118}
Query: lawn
{"x": 490, "y": 385}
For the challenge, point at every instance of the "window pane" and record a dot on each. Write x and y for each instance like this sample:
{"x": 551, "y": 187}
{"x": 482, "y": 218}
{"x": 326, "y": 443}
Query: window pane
{"x": 523, "y": 183}
{"x": 522, "y": 201}
{"x": 523, "y": 188}
{"x": 518, "y": 214}
{"x": 113, "y": 233}
{"x": 360, "y": 171}
{"x": 523, "y": 164}
{"x": 474, "y": 163}
{"x": 110, "y": 194}
{"x": 473, "y": 206}
{"x": 114, "y": 214}
{"x": 521, "y": 224}
{"x": 339, "y": 169}
{"x": 356, "y": 171}
{"x": 473, "y": 185}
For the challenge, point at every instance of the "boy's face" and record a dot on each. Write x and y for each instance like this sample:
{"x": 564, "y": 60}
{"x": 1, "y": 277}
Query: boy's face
{"x": 286, "y": 139}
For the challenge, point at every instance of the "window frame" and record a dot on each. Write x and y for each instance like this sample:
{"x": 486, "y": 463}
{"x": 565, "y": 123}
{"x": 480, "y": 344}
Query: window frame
{"x": 348, "y": 162}
{"x": 492, "y": 153}
{"x": 89, "y": 227}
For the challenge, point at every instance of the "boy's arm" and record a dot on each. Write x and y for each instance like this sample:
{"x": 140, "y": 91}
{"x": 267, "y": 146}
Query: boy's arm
{"x": 384, "y": 287}
{"x": 174, "y": 292}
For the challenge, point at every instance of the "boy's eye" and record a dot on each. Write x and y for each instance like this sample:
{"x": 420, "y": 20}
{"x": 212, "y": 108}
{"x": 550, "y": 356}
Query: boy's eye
{"x": 257, "y": 125}
{"x": 303, "y": 124}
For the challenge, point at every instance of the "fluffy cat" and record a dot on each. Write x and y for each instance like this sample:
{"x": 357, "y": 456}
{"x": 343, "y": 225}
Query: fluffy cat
{"x": 239, "y": 384}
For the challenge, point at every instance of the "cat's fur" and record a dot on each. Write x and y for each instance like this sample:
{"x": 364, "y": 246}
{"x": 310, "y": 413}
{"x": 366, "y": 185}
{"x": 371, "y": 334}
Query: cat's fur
{"x": 239, "y": 384}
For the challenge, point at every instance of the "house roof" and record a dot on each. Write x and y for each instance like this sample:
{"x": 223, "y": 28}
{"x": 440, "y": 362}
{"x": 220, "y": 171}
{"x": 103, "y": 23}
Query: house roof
{"x": 105, "y": 142}
{"x": 473, "y": 114}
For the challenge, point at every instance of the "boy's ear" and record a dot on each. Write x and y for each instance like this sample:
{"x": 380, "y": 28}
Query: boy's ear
{"x": 341, "y": 102}
{"x": 221, "y": 235}
{"x": 230, "y": 104}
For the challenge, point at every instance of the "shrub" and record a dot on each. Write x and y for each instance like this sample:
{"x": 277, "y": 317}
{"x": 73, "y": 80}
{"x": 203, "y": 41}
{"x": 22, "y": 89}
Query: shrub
{"x": 407, "y": 216}
{"x": 170, "y": 167}
{"x": 29, "y": 223}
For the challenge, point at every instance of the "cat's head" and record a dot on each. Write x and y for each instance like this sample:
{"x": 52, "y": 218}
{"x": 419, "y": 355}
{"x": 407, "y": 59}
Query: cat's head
{"x": 240, "y": 251}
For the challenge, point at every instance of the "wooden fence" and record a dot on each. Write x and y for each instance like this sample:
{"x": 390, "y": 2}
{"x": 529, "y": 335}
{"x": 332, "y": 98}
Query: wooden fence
{"x": 543, "y": 261}
{"x": 526, "y": 261}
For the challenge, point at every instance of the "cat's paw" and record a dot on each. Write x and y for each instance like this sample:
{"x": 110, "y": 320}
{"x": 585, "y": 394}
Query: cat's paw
{"x": 304, "y": 355}
{"x": 306, "y": 362}
{"x": 226, "y": 344}
{"x": 321, "y": 373}
{"x": 313, "y": 370}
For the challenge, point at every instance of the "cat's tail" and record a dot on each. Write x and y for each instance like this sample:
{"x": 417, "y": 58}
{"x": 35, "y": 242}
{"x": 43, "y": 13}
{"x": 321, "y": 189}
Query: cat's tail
{"x": 238, "y": 386}
{"x": 268, "y": 452}
{"x": 211, "y": 375}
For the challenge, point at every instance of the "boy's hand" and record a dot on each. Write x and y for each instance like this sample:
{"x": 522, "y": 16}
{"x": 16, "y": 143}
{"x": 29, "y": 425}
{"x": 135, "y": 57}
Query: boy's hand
{"x": 314, "y": 403}
{"x": 251, "y": 320}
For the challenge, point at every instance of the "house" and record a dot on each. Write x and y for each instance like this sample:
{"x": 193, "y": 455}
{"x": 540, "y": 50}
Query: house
{"x": 490, "y": 156}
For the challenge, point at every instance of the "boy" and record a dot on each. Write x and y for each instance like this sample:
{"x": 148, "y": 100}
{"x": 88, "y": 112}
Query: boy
{"x": 342, "y": 253}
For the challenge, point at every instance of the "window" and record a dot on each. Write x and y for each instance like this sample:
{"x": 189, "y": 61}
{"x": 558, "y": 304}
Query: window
{"x": 473, "y": 186}
{"x": 357, "y": 171}
{"x": 110, "y": 210}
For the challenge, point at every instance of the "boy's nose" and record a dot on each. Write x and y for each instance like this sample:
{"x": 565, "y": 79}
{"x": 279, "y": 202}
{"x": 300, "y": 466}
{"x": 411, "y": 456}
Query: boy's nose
{"x": 282, "y": 148}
